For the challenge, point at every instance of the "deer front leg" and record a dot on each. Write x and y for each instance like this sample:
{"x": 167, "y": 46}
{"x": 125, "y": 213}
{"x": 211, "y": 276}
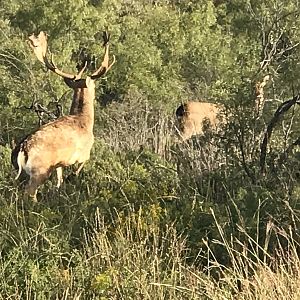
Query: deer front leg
{"x": 31, "y": 190}
{"x": 59, "y": 176}
{"x": 79, "y": 168}
{"x": 33, "y": 184}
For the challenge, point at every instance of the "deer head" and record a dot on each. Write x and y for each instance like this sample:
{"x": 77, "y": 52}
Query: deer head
{"x": 67, "y": 140}
{"x": 74, "y": 81}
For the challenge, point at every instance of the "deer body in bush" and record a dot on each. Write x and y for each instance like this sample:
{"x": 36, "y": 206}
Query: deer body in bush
{"x": 192, "y": 116}
{"x": 67, "y": 140}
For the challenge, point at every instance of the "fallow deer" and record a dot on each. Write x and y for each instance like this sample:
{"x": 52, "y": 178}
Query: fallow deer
{"x": 192, "y": 115}
{"x": 67, "y": 140}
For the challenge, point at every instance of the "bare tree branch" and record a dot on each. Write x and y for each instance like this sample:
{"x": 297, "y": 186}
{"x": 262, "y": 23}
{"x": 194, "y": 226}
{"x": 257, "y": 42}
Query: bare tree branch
{"x": 42, "y": 111}
{"x": 285, "y": 154}
{"x": 283, "y": 108}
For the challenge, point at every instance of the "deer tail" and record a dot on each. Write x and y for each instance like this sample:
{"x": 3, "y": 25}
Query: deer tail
{"x": 20, "y": 162}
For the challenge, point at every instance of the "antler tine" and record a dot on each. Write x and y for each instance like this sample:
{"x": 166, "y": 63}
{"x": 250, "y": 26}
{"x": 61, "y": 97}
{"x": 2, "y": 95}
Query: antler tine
{"x": 78, "y": 76}
{"x": 105, "y": 66}
{"x": 112, "y": 63}
{"x": 39, "y": 46}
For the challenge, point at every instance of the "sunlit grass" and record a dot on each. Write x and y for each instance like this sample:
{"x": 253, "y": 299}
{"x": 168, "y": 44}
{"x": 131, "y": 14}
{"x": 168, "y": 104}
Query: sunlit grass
{"x": 136, "y": 257}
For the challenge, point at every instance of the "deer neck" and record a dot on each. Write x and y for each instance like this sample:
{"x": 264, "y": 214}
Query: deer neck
{"x": 83, "y": 106}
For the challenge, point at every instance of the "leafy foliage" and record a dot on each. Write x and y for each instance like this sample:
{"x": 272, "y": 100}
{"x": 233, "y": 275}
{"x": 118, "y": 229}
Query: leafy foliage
{"x": 149, "y": 217}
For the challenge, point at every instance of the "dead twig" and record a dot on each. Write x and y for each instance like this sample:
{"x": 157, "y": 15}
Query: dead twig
{"x": 42, "y": 111}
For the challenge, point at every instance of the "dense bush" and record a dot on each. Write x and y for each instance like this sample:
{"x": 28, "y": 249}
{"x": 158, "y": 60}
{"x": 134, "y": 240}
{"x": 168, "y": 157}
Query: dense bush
{"x": 150, "y": 217}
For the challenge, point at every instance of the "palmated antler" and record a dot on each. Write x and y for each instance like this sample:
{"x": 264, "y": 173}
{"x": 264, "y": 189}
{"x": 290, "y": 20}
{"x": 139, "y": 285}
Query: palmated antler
{"x": 105, "y": 66}
{"x": 39, "y": 46}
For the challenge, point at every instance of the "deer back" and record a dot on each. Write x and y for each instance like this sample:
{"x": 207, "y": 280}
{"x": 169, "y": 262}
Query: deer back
{"x": 62, "y": 142}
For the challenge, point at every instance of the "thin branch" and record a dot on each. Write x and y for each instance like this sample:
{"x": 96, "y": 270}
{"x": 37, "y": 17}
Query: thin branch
{"x": 285, "y": 154}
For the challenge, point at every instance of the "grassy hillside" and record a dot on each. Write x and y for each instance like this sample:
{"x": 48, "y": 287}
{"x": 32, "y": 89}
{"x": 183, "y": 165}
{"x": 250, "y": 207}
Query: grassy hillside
{"x": 216, "y": 217}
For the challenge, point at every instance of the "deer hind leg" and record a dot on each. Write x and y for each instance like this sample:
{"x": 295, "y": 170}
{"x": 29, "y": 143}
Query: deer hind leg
{"x": 34, "y": 182}
{"x": 60, "y": 179}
